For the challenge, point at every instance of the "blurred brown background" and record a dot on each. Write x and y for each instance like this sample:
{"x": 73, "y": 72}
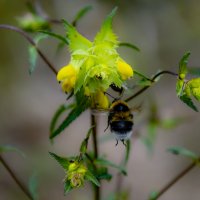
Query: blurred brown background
{"x": 164, "y": 31}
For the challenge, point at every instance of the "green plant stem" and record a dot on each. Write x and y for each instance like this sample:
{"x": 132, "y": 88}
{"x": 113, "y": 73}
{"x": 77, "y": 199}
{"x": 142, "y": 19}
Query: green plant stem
{"x": 152, "y": 80}
{"x": 175, "y": 180}
{"x": 12, "y": 174}
{"x": 32, "y": 42}
{"x": 97, "y": 194}
{"x": 143, "y": 76}
{"x": 93, "y": 121}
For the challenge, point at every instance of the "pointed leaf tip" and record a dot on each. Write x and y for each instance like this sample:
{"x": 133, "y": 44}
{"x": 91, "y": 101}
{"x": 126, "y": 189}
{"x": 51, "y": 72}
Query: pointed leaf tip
{"x": 183, "y": 64}
{"x": 184, "y": 152}
{"x": 109, "y": 17}
{"x": 81, "y": 13}
{"x": 113, "y": 12}
{"x": 33, "y": 186}
{"x": 64, "y": 162}
{"x": 188, "y": 101}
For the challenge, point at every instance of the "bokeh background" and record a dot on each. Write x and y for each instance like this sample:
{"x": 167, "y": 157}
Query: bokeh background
{"x": 164, "y": 31}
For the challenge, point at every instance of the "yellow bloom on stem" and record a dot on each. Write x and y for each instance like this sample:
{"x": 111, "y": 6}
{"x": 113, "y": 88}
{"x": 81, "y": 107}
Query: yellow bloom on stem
{"x": 67, "y": 77}
{"x": 101, "y": 100}
{"x": 76, "y": 173}
{"x": 94, "y": 66}
{"x": 124, "y": 69}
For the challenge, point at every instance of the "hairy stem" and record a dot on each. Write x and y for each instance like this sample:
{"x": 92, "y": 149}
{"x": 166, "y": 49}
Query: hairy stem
{"x": 97, "y": 195}
{"x": 175, "y": 180}
{"x": 31, "y": 41}
{"x": 12, "y": 174}
{"x": 152, "y": 80}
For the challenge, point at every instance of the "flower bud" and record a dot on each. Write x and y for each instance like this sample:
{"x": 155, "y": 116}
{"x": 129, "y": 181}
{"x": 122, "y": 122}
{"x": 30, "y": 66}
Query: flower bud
{"x": 124, "y": 69}
{"x": 32, "y": 23}
{"x": 101, "y": 100}
{"x": 67, "y": 77}
{"x": 76, "y": 173}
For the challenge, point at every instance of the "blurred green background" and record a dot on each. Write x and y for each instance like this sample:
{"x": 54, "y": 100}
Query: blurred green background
{"x": 164, "y": 31}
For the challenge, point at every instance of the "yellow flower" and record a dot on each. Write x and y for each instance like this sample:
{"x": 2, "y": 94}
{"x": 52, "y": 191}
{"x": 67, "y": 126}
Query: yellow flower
{"x": 76, "y": 173}
{"x": 124, "y": 69}
{"x": 67, "y": 77}
{"x": 101, "y": 100}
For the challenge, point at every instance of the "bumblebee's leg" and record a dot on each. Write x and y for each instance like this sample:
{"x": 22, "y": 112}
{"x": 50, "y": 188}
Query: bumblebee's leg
{"x": 116, "y": 143}
{"x": 108, "y": 122}
{"x": 124, "y": 143}
{"x": 106, "y": 127}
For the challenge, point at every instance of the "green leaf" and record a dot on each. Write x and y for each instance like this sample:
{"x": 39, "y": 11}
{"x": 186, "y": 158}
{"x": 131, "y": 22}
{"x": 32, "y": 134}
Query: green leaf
{"x": 33, "y": 54}
{"x": 32, "y": 59}
{"x": 153, "y": 195}
{"x": 76, "y": 112}
{"x": 188, "y": 101}
{"x": 57, "y": 114}
{"x": 102, "y": 173}
{"x": 183, "y": 64}
{"x": 57, "y": 36}
{"x": 33, "y": 186}
{"x": 171, "y": 123}
{"x": 184, "y": 152}
{"x": 84, "y": 144}
{"x": 39, "y": 37}
{"x": 129, "y": 45}
{"x": 76, "y": 40}
{"x": 144, "y": 82}
{"x": 8, "y": 148}
{"x": 104, "y": 162}
{"x": 105, "y": 176}
{"x": 149, "y": 139}
{"x": 81, "y": 13}
{"x": 90, "y": 177}
{"x": 179, "y": 87}
{"x": 106, "y": 33}
{"x": 64, "y": 162}
{"x": 67, "y": 187}
{"x": 181, "y": 81}
{"x": 128, "y": 149}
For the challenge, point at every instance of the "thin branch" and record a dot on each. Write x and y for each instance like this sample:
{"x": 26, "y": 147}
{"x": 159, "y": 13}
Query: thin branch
{"x": 93, "y": 122}
{"x": 143, "y": 76}
{"x": 97, "y": 195}
{"x": 175, "y": 180}
{"x": 152, "y": 80}
{"x": 21, "y": 185}
{"x": 31, "y": 41}
{"x": 54, "y": 21}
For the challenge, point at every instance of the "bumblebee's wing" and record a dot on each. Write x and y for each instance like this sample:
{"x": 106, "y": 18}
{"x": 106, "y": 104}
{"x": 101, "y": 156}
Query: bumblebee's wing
{"x": 96, "y": 112}
{"x": 136, "y": 109}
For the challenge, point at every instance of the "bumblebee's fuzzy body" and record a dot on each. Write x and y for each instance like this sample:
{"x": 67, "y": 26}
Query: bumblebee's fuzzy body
{"x": 120, "y": 120}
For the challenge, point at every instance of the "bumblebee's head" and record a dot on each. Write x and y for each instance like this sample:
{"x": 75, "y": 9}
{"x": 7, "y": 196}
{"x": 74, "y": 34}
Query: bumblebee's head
{"x": 119, "y": 106}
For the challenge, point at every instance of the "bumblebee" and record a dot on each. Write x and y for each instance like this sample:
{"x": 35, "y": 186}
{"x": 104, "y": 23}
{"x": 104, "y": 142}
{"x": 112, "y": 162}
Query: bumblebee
{"x": 120, "y": 120}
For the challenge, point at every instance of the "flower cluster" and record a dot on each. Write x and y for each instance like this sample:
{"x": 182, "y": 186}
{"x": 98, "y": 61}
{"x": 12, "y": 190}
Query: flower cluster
{"x": 31, "y": 22}
{"x": 94, "y": 66}
{"x": 76, "y": 174}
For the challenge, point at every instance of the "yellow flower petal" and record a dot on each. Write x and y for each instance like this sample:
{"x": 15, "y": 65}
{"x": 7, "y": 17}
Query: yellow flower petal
{"x": 124, "y": 69}
{"x": 65, "y": 72}
{"x": 101, "y": 100}
{"x": 67, "y": 77}
{"x": 67, "y": 86}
